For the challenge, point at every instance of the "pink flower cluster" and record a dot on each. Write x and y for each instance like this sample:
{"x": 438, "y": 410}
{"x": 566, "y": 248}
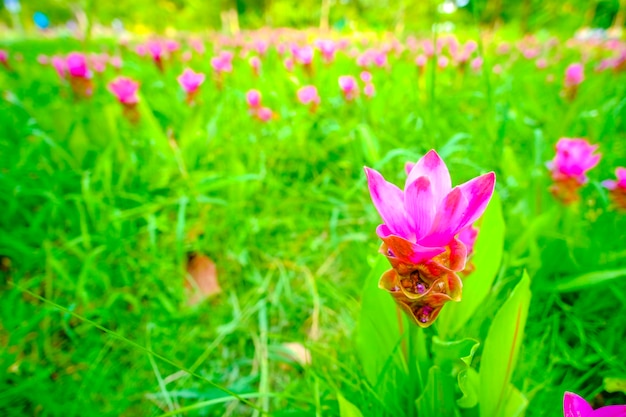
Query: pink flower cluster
{"x": 617, "y": 188}
{"x": 420, "y": 233}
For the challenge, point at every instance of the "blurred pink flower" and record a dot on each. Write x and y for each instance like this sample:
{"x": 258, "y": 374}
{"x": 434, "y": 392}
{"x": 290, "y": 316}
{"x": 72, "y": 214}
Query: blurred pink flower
{"x": 369, "y": 90}
{"x": 349, "y": 87}
{"x": 308, "y": 95}
{"x": 190, "y": 81}
{"x": 59, "y": 65}
{"x": 264, "y": 114}
{"x": 366, "y": 76}
{"x": 541, "y": 63}
{"x": 419, "y": 231}
{"x": 253, "y": 98}
{"x": 125, "y": 90}
{"x": 476, "y": 64}
{"x": 576, "y": 406}
{"x": 116, "y": 62}
{"x": 574, "y": 75}
{"x": 443, "y": 61}
{"x": 255, "y": 64}
{"x": 328, "y": 48}
{"x": 497, "y": 69}
{"x": 620, "y": 174}
{"x": 186, "y": 56}
{"x": 573, "y": 159}
{"x": 288, "y": 62}
{"x": 76, "y": 65}
{"x": 4, "y": 56}
{"x": 223, "y": 62}
{"x": 41, "y": 59}
{"x": 617, "y": 189}
{"x": 421, "y": 61}
{"x": 303, "y": 55}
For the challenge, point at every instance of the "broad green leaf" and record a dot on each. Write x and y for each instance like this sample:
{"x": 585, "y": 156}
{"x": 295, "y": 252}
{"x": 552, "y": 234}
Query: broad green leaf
{"x": 378, "y": 334}
{"x": 469, "y": 382}
{"x": 515, "y": 404}
{"x": 347, "y": 409}
{"x": 500, "y": 353}
{"x": 589, "y": 280}
{"x": 487, "y": 258}
{"x": 438, "y": 397}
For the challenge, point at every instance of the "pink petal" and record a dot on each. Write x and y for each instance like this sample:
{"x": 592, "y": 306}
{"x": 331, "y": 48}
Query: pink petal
{"x": 575, "y": 406}
{"x": 389, "y": 201}
{"x": 419, "y": 203}
{"x": 478, "y": 192}
{"x": 610, "y": 411}
{"x": 448, "y": 221}
{"x": 432, "y": 166}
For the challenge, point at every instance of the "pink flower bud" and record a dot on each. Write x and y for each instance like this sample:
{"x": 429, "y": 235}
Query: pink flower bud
{"x": 76, "y": 64}
{"x": 308, "y": 95}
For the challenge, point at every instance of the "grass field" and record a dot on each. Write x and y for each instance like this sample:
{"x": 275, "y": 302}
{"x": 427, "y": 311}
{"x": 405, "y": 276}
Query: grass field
{"x": 101, "y": 218}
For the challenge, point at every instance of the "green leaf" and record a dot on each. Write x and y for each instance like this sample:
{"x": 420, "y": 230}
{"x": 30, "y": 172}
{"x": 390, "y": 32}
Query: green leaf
{"x": 590, "y": 279}
{"x": 469, "y": 382}
{"x": 378, "y": 333}
{"x": 448, "y": 355}
{"x": 500, "y": 353}
{"x": 487, "y": 258}
{"x": 347, "y": 409}
{"x": 515, "y": 403}
{"x": 438, "y": 396}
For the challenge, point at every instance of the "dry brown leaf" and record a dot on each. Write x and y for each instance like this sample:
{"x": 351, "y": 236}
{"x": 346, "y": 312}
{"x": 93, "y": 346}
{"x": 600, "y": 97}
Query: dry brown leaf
{"x": 201, "y": 280}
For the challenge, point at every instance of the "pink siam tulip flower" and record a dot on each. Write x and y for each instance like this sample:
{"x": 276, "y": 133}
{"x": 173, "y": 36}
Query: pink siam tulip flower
{"x": 576, "y": 406}
{"x": 261, "y": 47}
{"x": 42, "y": 59}
{"x": 264, "y": 114}
{"x": 443, "y": 61}
{"x": 253, "y": 98}
{"x": 255, "y": 64}
{"x": 574, "y": 75}
{"x": 288, "y": 62}
{"x": 421, "y": 61}
{"x": 186, "y": 56}
{"x": 223, "y": 62}
{"x": 308, "y": 95}
{"x": 617, "y": 189}
{"x": 366, "y": 76}
{"x": 574, "y": 157}
{"x": 541, "y": 63}
{"x": 4, "y": 57}
{"x": 171, "y": 45}
{"x": 59, "y": 65}
{"x": 197, "y": 45}
{"x": 190, "y": 81}
{"x": 349, "y": 87}
{"x": 76, "y": 65}
{"x": 328, "y": 48}
{"x": 476, "y": 64}
{"x": 125, "y": 90}
{"x": 98, "y": 62}
{"x": 303, "y": 55}
{"x": 116, "y": 62}
{"x": 418, "y": 233}
{"x": 369, "y": 90}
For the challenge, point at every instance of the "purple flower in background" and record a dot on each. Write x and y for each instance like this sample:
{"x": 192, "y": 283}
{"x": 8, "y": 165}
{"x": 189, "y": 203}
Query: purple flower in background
{"x": 576, "y": 406}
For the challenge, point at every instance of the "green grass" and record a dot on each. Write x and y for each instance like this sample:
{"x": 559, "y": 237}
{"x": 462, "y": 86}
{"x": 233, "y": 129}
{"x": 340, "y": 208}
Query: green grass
{"x": 98, "y": 217}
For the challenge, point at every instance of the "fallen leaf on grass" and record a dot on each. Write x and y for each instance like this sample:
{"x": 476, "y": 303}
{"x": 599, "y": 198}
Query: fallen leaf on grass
{"x": 201, "y": 280}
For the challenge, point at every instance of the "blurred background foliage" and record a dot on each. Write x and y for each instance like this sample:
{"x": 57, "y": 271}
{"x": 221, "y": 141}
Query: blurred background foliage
{"x": 399, "y": 15}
